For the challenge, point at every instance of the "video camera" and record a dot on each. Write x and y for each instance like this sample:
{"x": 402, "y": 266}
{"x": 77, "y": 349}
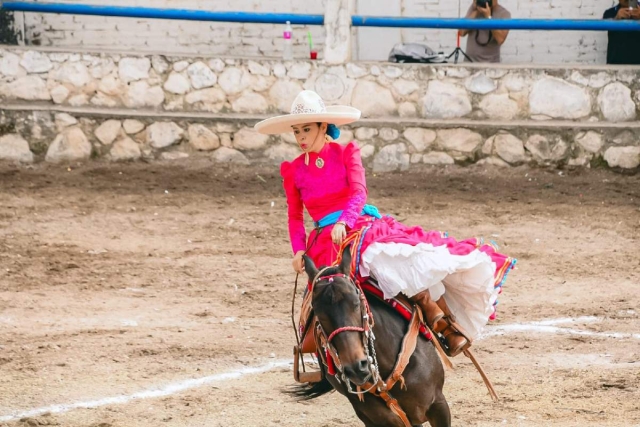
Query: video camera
{"x": 484, "y": 3}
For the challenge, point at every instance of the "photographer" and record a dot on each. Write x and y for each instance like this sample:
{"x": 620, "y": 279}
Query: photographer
{"x": 484, "y": 45}
{"x": 624, "y": 46}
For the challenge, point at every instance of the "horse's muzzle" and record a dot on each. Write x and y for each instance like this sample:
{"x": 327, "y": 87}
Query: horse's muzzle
{"x": 358, "y": 372}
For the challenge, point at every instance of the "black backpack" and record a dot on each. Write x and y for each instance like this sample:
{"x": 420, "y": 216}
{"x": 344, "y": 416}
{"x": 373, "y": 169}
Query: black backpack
{"x": 415, "y": 52}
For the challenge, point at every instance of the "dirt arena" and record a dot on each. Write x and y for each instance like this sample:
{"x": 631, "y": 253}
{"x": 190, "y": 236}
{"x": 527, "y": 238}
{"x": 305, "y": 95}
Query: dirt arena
{"x": 120, "y": 283}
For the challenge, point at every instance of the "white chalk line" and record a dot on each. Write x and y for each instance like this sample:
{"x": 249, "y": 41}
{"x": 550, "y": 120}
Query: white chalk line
{"x": 546, "y": 326}
{"x": 563, "y": 320}
{"x": 543, "y": 326}
{"x": 147, "y": 394}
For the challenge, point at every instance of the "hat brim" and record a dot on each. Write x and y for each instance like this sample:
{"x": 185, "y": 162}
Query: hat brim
{"x": 335, "y": 115}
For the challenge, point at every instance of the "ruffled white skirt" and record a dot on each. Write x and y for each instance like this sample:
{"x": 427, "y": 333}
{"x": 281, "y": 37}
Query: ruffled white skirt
{"x": 465, "y": 281}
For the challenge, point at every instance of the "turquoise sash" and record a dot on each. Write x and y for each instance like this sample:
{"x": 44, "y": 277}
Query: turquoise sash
{"x": 332, "y": 218}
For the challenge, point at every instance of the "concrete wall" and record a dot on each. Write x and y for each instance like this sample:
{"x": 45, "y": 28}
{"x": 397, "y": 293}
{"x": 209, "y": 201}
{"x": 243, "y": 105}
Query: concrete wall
{"x": 265, "y": 40}
{"x": 68, "y": 106}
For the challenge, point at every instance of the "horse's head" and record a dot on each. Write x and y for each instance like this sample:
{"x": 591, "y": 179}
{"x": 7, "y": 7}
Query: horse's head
{"x": 342, "y": 314}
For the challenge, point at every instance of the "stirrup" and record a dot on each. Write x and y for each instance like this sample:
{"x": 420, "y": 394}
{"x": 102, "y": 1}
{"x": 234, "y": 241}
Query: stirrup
{"x": 447, "y": 328}
{"x": 460, "y": 348}
{"x": 303, "y": 377}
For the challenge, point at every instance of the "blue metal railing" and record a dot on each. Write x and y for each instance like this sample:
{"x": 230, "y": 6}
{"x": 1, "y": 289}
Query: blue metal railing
{"x": 156, "y": 13}
{"x": 497, "y": 24}
{"x": 301, "y": 19}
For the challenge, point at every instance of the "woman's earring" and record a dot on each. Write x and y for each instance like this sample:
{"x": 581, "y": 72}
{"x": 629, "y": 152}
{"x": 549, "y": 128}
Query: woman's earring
{"x": 327, "y": 138}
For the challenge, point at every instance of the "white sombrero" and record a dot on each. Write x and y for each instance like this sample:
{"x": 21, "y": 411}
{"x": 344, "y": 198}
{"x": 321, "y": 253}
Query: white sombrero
{"x": 308, "y": 107}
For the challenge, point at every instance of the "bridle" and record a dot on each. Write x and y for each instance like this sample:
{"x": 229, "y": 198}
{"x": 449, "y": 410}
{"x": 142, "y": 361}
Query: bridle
{"x": 373, "y": 384}
{"x": 324, "y": 341}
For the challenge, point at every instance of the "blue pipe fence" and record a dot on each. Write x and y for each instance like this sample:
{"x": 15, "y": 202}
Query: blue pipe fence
{"x": 497, "y": 24}
{"x": 303, "y": 19}
{"x": 156, "y": 13}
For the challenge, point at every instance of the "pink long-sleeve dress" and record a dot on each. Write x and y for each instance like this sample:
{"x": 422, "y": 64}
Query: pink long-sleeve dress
{"x": 468, "y": 273}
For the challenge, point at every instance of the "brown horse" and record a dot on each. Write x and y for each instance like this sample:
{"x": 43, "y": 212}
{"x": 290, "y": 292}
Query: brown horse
{"x": 337, "y": 304}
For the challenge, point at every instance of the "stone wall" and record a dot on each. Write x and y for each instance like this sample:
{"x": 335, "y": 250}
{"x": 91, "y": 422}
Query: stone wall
{"x": 542, "y": 47}
{"x": 74, "y": 106}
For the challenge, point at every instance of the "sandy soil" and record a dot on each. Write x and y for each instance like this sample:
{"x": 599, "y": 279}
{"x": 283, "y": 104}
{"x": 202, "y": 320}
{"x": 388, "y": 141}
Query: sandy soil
{"x": 115, "y": 279}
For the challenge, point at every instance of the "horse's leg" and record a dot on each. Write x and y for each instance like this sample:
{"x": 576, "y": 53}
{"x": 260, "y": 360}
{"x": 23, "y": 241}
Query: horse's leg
{"x": 438, "y": 413}
{"x": 378, "y": 411}
{"x": 365, "y": 419}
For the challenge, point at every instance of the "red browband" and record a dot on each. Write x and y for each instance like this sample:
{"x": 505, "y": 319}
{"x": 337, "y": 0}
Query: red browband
{"x": 330, "y": 277}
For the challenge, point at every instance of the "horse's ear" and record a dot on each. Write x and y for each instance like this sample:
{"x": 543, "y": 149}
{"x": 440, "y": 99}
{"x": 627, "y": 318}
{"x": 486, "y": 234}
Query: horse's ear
{"x": 345, "y": 264}
{"x": 309, "y": 267}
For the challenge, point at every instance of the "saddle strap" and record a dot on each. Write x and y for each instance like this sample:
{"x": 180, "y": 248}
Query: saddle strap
{"x": 409, "y": 343}
{"x": 485, "y": 378}
{"x": 395, "y": 407}
{"x": 441, "y": 353}
{"x": 382, "y": 389}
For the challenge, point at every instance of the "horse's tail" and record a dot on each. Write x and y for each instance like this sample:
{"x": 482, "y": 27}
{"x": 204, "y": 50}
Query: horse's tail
{"x": 310, "y": 391}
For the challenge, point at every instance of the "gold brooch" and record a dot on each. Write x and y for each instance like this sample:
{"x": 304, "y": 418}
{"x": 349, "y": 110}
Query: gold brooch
{"x": 319, "y": 163}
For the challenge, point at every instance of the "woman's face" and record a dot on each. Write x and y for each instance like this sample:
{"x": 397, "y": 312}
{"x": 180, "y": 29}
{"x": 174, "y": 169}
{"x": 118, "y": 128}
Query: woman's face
{"x": 310, "y": 136}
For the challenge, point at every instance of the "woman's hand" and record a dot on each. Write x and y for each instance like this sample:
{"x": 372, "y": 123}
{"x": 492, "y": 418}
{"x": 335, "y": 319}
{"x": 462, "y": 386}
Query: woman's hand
{"x": 339, "y": 233}
{"x": 298, "y": 262}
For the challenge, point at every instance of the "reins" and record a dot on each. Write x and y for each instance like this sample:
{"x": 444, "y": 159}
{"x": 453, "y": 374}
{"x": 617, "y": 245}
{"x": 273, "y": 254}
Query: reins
{"x": 293, "y": 299}
{"x": 295, "y": 287}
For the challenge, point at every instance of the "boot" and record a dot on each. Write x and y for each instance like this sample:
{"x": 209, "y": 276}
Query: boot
{"x": 432, "y": 313}
{"x": 454, "y": 336}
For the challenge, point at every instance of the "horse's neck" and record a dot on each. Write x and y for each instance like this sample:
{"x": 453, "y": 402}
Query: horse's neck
{"x": 389, "y": 330}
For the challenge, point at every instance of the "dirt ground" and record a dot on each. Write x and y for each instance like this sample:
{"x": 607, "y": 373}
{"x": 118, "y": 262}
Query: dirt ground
{"x": 116, "y": 279}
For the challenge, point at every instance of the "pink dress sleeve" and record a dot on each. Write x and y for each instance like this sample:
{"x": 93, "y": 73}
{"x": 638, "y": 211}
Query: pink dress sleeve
{"x": 357, "y": 184}
{"x": 295, "y": 209}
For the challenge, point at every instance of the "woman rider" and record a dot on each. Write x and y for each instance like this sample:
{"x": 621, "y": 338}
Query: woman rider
{"x": 456, "y": 283}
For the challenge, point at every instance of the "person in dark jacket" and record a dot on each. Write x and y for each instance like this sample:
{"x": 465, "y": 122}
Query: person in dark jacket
{"x": 623, "y": 46}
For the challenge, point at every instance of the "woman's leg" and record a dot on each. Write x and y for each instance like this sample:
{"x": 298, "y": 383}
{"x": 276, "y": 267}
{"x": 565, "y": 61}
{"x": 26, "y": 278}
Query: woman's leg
{"x": 457, "y": 340}
{"x": 432, "y": 312}
{"x": 439, "y": 318}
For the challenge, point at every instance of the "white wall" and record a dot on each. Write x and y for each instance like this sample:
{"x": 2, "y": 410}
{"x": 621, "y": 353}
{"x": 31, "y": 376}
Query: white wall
{"x": 214, "y": 38}
{"x": 376, "y": 43}
{"x": 541, "y": 47}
